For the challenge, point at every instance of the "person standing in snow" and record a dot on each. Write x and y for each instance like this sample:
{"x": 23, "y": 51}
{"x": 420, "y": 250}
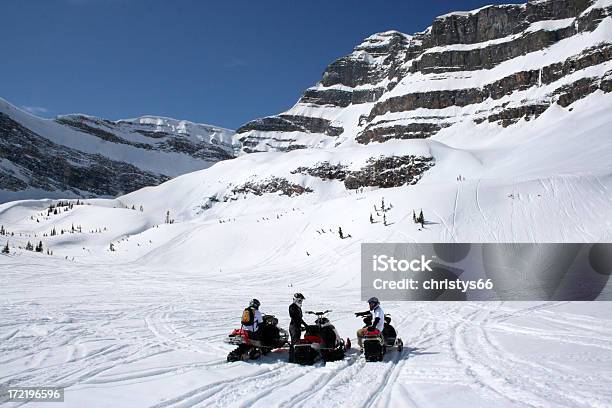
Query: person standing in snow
{"x": 297, "y": 323}
{"x": 252, "y": 319}
{"x": 378, "y": 319}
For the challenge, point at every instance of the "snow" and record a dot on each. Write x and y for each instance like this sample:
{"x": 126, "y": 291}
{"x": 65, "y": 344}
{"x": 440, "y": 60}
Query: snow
{"x": 143, "y": 325}
{"x": 557, "y": 52}
{"x": 544, "y": 25}
{"x": 156, "y": 161}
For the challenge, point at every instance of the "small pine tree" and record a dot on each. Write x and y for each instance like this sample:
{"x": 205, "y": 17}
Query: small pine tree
{"x": 39, "y": 247}
{"x": 414, "y": 217}
{"x": 340, "y": 233}
{"x": 168, "y": 217}
{"x": 133, "y": 207}
{"x": 112, "y": 247}
{"x": 29, "y": 246}
{"x": 421, "y": 219}
{"x": 78, "y": 202}
{"x": 382, "y": 204}
{"x": 2, "y": 230}
{"x": 371, "y": 219}
{"x": 6, "y": 249}
{"x": 384, "y": 219}
{"x": 141, "y": 209}
{"x": 72, "y": 228}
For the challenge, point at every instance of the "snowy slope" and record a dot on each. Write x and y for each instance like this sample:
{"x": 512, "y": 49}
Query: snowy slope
{"x": 40, "y": 156}
{"x": 143, "y": 325}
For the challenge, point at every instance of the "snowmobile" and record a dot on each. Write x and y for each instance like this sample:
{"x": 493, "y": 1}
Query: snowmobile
{"x": 321, "y": 340}
{"x": 376, "y": 344}
{"x": 270, "y": 337}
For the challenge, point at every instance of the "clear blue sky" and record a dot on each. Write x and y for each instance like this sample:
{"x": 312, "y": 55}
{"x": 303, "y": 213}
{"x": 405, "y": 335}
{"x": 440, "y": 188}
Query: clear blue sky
{"x": 219, "y": 62}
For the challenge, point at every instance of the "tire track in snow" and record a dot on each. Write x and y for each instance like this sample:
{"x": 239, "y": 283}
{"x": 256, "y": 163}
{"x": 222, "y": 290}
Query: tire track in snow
{"x": 488, "y": 226}
{"x": 482, "y": 373}
{"x": 455, "y": 213}
{"x": 337, "y": 388}
{"x": 537, "y": 379}
{"x": 210, "y": 394}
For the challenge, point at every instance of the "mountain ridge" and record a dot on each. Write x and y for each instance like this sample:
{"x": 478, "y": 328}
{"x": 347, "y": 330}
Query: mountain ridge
{"x": 43, "y": 158}
{"x": 478, "y": 57}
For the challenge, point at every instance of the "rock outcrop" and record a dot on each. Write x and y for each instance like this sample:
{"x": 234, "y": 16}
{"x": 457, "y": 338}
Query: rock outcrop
{"x": 84, "y": 156}
{"x": 498, "y": 64}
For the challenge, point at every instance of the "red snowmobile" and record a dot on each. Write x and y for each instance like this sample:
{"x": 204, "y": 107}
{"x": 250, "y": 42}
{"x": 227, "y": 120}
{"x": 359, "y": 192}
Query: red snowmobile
{"x": 321, "y": 340}
{"x": 270, "y": 337}
{"x": 376, "y": 344}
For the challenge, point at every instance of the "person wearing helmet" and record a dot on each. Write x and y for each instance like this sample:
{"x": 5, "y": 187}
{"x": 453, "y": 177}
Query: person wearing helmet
{"x": 378, "y": 319}
{"x": 297, "y": 323}
{"x": 252, "y": 318}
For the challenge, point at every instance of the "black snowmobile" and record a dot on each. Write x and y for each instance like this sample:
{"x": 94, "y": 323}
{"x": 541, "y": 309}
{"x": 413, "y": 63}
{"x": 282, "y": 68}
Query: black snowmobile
{"x": 270, "y": 337}
{"x": 376, "y": 344}
{"x": 321, "y": 340}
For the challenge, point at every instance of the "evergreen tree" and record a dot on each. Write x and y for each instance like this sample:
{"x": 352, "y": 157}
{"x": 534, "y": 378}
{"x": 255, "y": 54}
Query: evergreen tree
{"x": 340, "y": 233}
{"x": 414, "y": 217}
{"x": 39, "y": 247}
{"x": 141, "y": 209}
{"x": 382, "y": 204}
{"x": 371, "y": 219}
{"x": 168, "y": 217}
{"x": 2, "y": 230}
{"x": 384, "y": 219}
{"x": 6, "y": 249}
{"x": 421, "y": 219}
{"x": 112, "y": 247}
{"x": 29, "y": 246}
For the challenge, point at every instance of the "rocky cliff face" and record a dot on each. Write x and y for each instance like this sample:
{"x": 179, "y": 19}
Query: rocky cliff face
{"x": 499, "y": 64}
{"x": 84, "y": 156}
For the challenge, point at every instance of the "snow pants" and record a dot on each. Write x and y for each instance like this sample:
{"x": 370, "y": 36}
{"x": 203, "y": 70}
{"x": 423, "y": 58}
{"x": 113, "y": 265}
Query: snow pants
{"x": 295, "y": 332}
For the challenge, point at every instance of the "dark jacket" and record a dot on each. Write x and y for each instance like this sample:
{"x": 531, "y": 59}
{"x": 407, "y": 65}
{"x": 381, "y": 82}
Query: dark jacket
{"x": 295, "y": 312}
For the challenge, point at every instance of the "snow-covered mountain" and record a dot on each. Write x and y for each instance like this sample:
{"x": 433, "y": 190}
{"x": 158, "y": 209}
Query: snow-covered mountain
{"x": 498, "y": 64}
{"x": 495, "y": 122}
{"x": 84, "y": 156}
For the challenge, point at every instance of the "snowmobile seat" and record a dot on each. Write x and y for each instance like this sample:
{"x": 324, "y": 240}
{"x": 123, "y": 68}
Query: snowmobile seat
{"x": 389, "y": 334}
{"x": 329, "y": 336}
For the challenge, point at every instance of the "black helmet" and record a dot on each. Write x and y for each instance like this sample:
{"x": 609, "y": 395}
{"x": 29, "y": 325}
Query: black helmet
{"x": 373, "y": 300}
{"x": 298, "y": 296}
{"x": 255, "y": 303}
